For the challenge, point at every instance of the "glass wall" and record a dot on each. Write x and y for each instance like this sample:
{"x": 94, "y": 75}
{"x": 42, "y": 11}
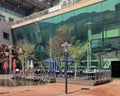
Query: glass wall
{"x": 97, "y": 24}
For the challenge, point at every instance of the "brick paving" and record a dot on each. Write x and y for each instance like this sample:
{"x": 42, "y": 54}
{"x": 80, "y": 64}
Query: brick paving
{"x": 57, "y": 89}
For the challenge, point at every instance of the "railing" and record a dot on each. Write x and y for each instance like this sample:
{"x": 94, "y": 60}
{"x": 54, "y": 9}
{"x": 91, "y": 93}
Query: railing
{"x": 98, "y": 76}
{"x": 3, "y": 20}
{"x": 50, "y": 10}
{"x": 103, "y": 75}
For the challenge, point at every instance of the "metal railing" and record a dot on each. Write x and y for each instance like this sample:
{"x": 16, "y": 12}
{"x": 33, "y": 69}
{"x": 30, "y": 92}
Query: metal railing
{"x": 100, "y": 76}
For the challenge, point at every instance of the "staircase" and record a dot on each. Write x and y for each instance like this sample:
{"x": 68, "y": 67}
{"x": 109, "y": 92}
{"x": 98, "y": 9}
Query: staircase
{"x": 109, "y": 56}
{"x": 106, "y": 64}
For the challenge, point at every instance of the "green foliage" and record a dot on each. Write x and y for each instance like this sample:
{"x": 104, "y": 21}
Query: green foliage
{"x": 77, "y": 51}
{"x": 74, "y": 50}
{"x": 26, "y": 48}
{"x": 63, "y": 33}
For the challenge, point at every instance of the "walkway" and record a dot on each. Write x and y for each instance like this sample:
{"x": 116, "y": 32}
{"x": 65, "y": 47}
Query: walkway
{"x": 57, "y": 89}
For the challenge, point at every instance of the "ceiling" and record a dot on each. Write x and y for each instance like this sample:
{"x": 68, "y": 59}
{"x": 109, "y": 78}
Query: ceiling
{"x": 27, "y": 7}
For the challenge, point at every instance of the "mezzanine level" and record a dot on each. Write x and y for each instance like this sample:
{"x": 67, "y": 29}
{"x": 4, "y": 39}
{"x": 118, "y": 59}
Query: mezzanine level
{"x": 54, "y": 11}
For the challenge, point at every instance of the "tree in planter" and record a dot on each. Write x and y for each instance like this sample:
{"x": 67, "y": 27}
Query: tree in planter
{"x": 73, "y": 51}
{"x": 63, "y": 33}
{"x": 26, "y": 49}
{"x": 78, "y": 52}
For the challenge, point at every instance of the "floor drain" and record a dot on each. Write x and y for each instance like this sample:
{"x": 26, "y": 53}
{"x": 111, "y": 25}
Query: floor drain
{"x": 85, "y": 88}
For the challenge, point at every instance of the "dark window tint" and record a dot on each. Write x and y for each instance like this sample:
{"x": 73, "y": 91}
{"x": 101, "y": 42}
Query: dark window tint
{"x": 6, "y": 35}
